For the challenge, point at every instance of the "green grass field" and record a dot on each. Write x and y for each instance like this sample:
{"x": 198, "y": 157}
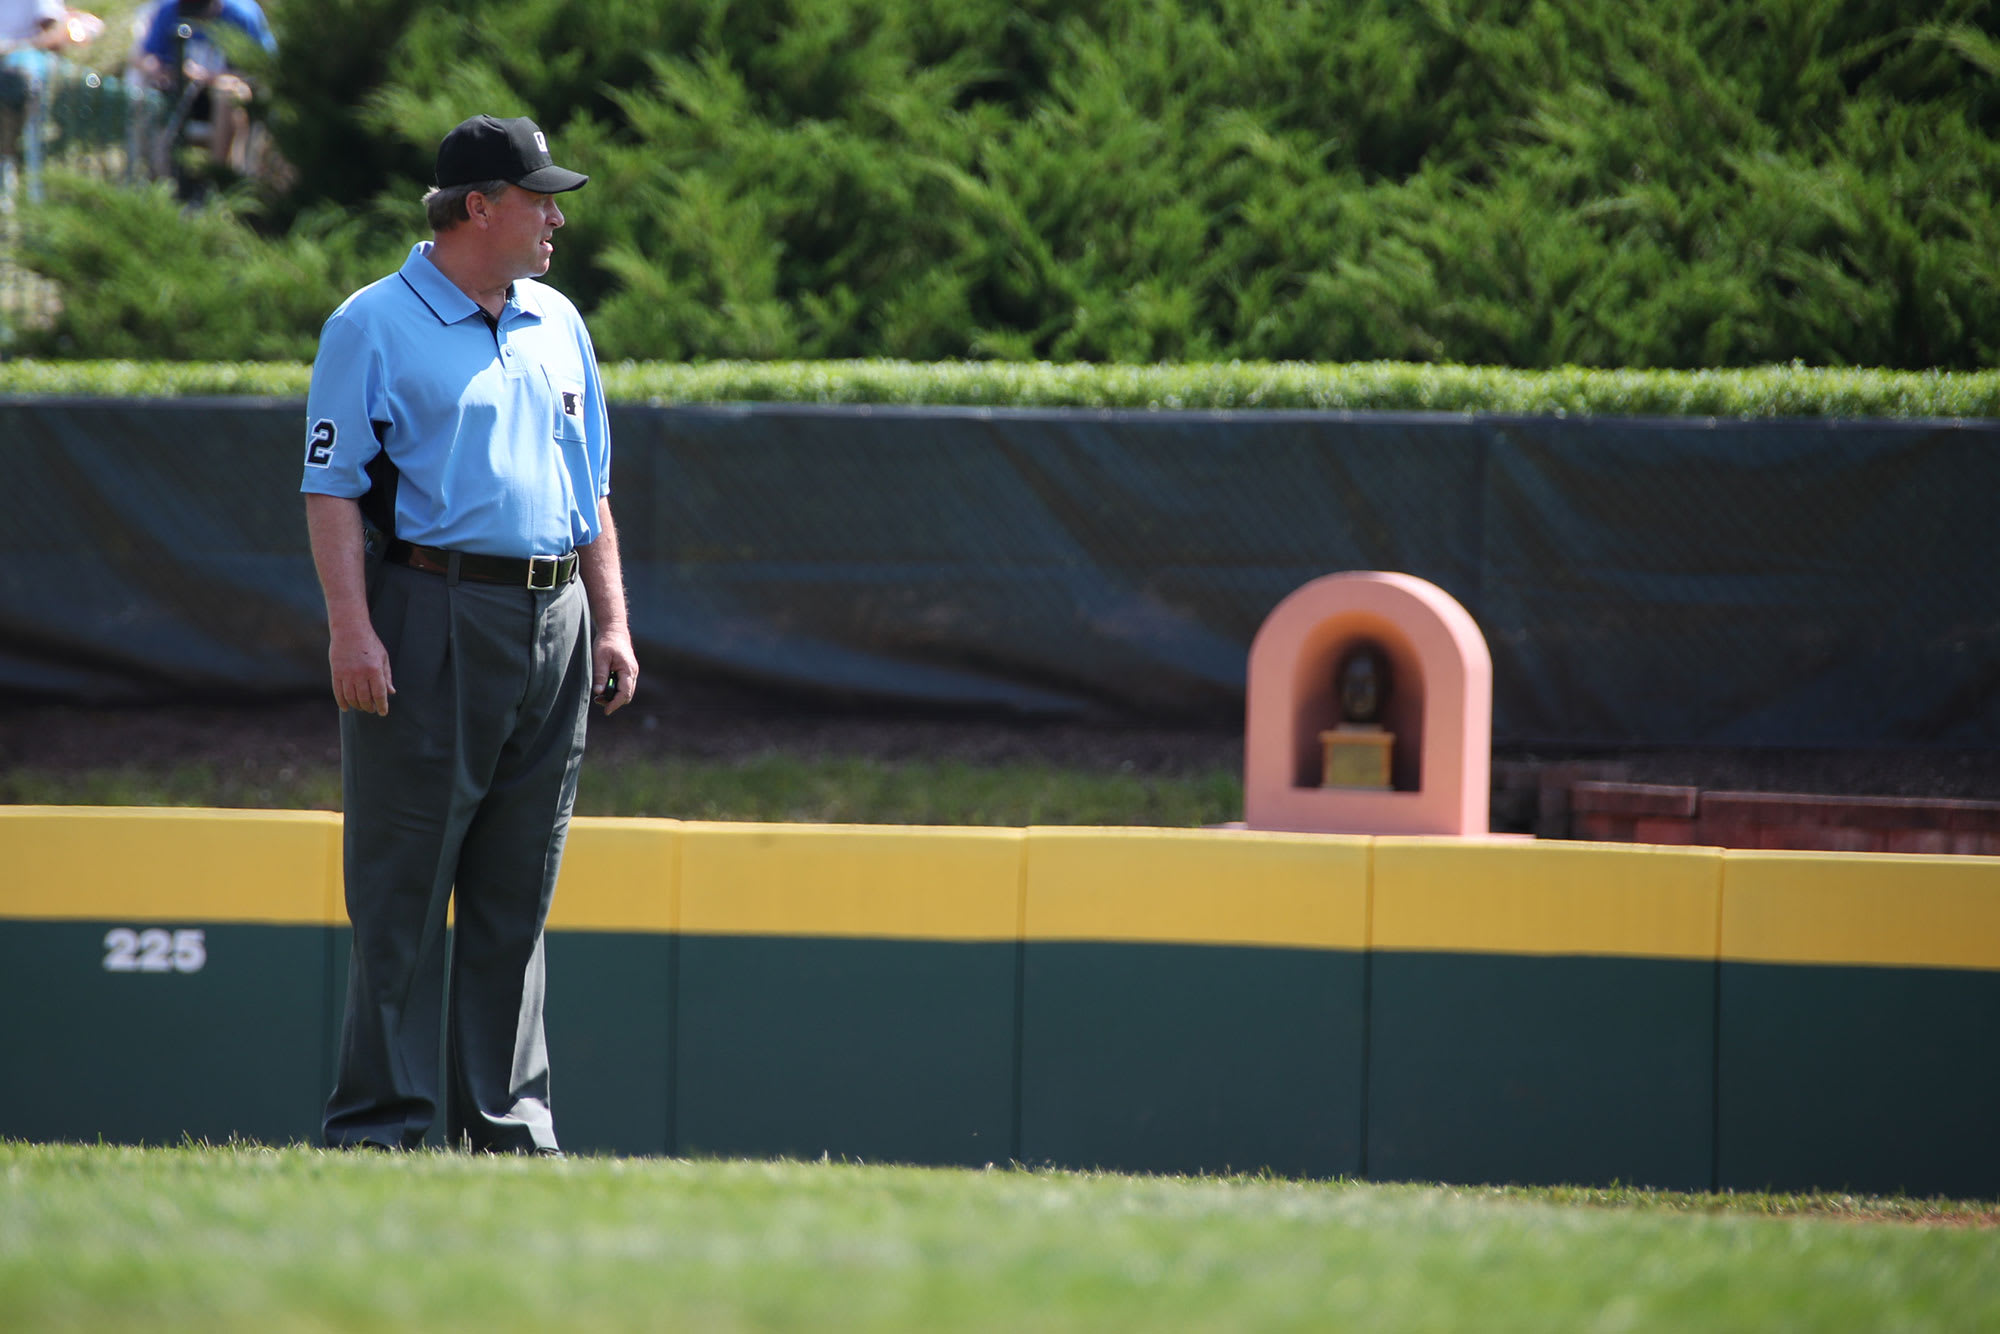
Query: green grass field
{"x": 842, "y": 789}
{"x": 251, "y": 1239}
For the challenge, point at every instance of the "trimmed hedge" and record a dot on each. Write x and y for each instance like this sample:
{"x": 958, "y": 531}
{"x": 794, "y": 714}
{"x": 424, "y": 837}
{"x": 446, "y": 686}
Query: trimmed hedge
{"x": 1656, "y": 183}
{"x": 1772, "y": 391}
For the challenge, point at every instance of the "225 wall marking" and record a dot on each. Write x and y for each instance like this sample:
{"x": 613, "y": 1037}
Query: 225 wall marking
{"x": 154, "y": 950}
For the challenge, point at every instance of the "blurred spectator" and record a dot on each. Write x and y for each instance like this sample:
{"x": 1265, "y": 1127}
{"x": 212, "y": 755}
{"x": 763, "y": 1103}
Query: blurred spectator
{"x": 196, "y": 31}
{"x": 32, "y": 34}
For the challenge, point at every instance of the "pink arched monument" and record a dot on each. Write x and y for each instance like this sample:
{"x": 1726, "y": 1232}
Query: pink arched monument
{"x": 1440, "y": 709}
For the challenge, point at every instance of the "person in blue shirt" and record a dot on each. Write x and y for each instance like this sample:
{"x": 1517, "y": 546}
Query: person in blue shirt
{"x": 215, "y": 93}
{"x": 246, "y": 16}
{"x": 457, "y": 481}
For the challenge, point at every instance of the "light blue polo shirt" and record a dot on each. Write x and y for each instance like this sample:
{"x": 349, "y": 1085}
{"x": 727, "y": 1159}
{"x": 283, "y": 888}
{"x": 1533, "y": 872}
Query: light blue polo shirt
{"x": 500, "y": 434}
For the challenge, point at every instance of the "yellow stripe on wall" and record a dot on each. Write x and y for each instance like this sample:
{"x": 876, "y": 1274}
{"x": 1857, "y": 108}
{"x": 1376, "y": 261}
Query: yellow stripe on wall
{"x": 1524, "y": 897}
{"x": 147, "y": 864}
{"x": 1197, "y": 886}
{"x": 1861, "y": 908}
{"x": 850, "y": 880}
{"x": 618, "y": 875}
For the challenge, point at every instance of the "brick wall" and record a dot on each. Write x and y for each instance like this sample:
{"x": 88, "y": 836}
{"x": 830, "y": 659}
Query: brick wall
{"x": 1665, "y": 813}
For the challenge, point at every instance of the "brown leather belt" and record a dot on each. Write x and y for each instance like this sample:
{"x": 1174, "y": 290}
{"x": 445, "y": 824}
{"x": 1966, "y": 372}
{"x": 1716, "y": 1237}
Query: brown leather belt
{"x": 541, "y": 573}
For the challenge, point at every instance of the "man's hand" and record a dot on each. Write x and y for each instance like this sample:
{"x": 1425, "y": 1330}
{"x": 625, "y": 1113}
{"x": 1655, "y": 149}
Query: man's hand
{"x": 612, "y": 662}
{"x": 611, "y": 657}
{"x": 361, "y": 677}
{"x": 360, "y": 664}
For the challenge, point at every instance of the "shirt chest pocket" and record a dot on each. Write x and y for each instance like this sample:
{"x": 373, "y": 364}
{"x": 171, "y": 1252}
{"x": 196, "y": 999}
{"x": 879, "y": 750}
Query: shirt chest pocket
{"x": 566, "y": 401}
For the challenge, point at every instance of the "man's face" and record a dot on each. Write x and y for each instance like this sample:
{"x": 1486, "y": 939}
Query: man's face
{"x": 520, "y": 231}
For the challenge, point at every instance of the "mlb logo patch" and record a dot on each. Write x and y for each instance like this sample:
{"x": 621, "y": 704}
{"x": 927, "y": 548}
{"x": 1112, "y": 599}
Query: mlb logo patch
{"x": 572, "y": 402}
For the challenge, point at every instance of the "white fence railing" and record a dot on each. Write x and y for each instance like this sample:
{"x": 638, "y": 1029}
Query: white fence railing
{"x": 70, "y": 119}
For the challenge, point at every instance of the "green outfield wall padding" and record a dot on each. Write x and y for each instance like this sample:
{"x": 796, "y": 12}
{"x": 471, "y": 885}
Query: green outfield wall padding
{"x": 609, "y": 1018}
{"x": 339, "y": 945}
{"x": 227, "y": 1041}
{"x": 1674, "y": 582}
{"x": 878, "y": 1050}
{"x": 1195, "y": 1001}
{"x": 1535, "y": 1070}
{"x": 1866, "y": 1079}
{"x": 1192, "y": 1058}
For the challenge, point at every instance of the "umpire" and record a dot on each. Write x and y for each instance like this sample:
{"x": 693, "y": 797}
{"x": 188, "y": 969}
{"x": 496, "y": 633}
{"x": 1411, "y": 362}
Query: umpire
{"x": 457, "y": 475}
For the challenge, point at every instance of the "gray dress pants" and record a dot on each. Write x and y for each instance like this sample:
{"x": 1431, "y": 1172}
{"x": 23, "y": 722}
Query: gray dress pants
{"x": 460, "y": 796}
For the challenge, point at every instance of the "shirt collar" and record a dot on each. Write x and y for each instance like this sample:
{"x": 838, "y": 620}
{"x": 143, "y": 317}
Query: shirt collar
{"x": 448, "y": 302}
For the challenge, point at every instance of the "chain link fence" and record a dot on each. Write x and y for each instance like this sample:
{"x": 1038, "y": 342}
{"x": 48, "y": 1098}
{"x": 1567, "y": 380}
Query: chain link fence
{"x": 61, "y": 117}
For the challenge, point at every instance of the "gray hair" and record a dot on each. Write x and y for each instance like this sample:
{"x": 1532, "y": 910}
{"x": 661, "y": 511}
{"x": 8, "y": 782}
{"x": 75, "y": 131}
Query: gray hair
{"x": 445, "y": 208}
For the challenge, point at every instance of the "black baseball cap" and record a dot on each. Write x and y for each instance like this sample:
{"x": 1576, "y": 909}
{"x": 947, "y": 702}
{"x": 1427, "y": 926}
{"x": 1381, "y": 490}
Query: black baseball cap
{"x": 487, "y": 148}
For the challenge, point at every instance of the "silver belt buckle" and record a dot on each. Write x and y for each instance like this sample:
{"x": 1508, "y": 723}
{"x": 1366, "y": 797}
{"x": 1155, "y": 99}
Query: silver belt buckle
{"x": 537, "y": 563}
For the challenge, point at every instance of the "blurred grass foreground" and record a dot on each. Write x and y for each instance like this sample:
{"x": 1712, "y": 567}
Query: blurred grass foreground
{"x": 243, "y": 1238}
